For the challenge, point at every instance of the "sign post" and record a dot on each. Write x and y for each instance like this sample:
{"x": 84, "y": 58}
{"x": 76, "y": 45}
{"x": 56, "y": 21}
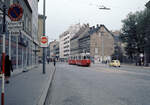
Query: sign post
{"x": 15, "y": 13}
{"x": 15, "y": 25}
{"x": 44, "y": 2}
{"x": 3, "y": 55}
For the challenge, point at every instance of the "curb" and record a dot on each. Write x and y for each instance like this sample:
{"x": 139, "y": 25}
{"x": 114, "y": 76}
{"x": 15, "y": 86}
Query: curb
{"x": 45, "y": 90}
{"x": 20, "y": 71}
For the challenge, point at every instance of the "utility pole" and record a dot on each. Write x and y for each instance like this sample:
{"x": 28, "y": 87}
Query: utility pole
{"x": 44, "y": 71}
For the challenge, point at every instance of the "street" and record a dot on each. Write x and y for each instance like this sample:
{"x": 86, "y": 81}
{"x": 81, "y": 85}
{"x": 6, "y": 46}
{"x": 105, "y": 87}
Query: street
{"x": 99, "y": 85}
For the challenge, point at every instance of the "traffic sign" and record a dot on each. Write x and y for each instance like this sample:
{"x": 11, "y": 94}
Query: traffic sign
{"x": 1, "y": 20}
{"x": 15, "y": 33}
{"x": 44, "y": 41}
{"x": 17, "y": 25}
{"x": 15, "y": 12}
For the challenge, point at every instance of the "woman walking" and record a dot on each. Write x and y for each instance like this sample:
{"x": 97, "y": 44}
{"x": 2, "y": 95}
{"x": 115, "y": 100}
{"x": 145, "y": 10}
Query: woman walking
{"x": 8, "y": 67}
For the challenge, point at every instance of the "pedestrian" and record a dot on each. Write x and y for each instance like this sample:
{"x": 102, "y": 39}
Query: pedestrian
{"x": 54, "y": 61}
{"x": 8, "y": 68}
{"x": 48, "y": 61}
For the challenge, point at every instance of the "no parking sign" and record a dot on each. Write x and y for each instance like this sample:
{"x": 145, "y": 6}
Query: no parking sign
{"x": 15, "y": 12}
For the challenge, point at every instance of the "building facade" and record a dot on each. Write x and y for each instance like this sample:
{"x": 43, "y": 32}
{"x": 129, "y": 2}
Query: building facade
{"x": 101, "y": 44}
{"x": 54, "y": 49}
{"x": 97, "y": 41}
{"x": 20, "y": 47}
{"x": 74, "y": 42}
{"x": 34, "y": 6}
{"x": 65, "y": 40}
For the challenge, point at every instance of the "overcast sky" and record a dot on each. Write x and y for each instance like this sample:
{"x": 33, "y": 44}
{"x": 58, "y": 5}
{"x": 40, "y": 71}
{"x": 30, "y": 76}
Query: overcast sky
{"x": 63, "y": 13}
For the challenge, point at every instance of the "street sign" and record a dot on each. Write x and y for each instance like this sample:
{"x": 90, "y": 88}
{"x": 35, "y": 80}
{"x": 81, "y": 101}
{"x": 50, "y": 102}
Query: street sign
{"x": 44, "y": 41}
{"x": 15, "y": 33}
{"x": 36, "y": 50}
{"x": 15, "y": 12}
{"x": 1, "y": 19}
{"x": 17, "y": 25}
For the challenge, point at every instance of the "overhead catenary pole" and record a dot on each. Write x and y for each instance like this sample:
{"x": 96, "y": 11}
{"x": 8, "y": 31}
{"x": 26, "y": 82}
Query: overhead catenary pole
{"x": 44, "y": 71}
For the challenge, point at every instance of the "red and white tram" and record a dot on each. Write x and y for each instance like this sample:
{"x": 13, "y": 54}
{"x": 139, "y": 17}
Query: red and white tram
{"x": 80, "y": 60}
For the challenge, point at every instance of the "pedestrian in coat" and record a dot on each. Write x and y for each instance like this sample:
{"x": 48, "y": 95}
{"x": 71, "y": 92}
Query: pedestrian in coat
{"x": 8, "y": 68}
{"x": 54, "y": 61}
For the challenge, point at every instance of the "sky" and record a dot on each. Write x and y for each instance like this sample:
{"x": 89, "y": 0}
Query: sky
{"x": 63, "y": 13}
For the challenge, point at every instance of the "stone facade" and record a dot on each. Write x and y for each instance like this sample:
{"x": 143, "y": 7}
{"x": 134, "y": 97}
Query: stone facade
{"x": 65, "y": 40}
{"x": 98, "y": 41}
{"x": 102, "y": 44}
{"x": 61, "y": 46}
{"x": 54, "y": 49}
{"x": 74, "y": 42}
{"x": 21, "y": 48}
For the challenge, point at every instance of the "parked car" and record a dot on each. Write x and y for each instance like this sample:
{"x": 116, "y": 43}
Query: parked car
{"x": 115, "y": 63}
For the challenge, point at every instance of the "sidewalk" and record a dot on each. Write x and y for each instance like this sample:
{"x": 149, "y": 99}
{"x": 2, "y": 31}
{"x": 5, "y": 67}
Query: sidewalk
{"x": 123, "y": 65}
{"x": 28, "y": 88}
{"x": 133, "y": 65}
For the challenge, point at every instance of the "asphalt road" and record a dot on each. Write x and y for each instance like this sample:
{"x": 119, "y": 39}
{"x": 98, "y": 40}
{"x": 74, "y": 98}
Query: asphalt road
{"x": 99, "y": 85}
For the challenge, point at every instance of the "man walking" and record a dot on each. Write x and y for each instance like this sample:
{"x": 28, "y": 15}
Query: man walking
{"x": 54, "y": 61}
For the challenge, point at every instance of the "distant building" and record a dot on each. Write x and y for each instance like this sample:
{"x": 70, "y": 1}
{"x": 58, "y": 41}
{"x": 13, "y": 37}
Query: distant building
{"x": 54, "y": 49}
{"x": 98, "y": 41}
{"x": 101, "y": 44}
{"x": 64, "y": 40}
{"x": 119, "y": 47}
{"x": 74, "y": 41}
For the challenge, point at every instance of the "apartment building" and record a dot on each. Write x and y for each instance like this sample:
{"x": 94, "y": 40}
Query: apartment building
{"x": 64, "y": 39}
{"x": 98, "y": 41}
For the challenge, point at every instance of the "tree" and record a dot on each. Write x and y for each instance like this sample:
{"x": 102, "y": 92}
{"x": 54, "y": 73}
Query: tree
{"x": 135, "y": 33}
{"x": 129, "y": 34}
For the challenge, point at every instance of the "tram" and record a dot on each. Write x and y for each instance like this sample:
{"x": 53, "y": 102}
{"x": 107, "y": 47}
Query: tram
{"x": 80, "y": 60}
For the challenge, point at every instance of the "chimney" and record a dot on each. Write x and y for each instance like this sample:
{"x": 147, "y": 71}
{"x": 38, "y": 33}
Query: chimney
{"x": 87, "y": 24}
{"x": 93, "y": 27}
{"x": 97, "y": 25}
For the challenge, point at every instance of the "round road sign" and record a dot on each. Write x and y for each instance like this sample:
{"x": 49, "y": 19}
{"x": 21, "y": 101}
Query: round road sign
{"x": 44, "y": 40}
{"x": 15, "y": 12}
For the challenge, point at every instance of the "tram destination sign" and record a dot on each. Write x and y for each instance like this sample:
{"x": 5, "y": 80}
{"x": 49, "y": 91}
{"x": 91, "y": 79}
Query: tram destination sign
{"x": 17, "y": 25}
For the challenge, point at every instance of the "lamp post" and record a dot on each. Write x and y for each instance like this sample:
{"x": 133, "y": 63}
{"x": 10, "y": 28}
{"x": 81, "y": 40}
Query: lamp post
{"x": 44, "y": 71}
